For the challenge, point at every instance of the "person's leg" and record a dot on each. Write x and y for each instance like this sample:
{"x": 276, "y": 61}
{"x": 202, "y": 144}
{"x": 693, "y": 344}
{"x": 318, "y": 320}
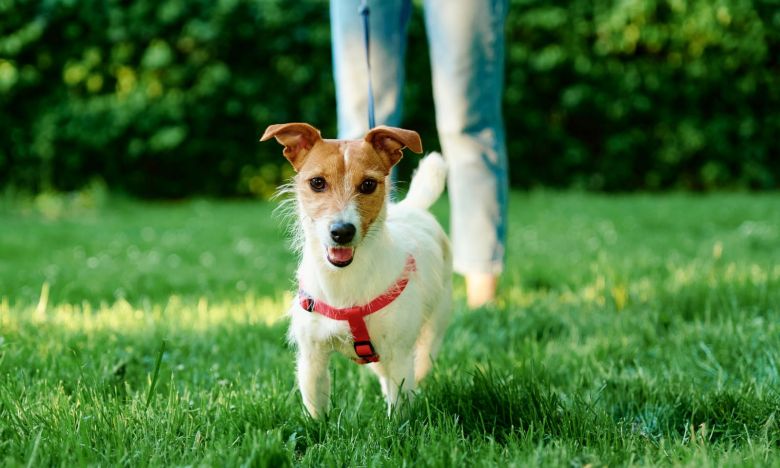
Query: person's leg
{"x": 388, "y": 24}
{"x": 467, "y": 60}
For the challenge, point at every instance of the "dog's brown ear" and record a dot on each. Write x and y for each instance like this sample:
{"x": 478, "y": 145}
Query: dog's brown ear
{"x": 297, "y": 138}
{"x": 391, "y": 141}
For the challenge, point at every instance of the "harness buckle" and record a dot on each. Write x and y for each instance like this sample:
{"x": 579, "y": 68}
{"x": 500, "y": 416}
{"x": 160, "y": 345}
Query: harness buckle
{"x": 365, "y": 351}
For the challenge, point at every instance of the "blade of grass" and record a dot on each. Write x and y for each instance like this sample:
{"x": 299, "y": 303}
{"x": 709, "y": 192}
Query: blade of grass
{"x": 156, "y": 373}
{"x": 34, "y": 453}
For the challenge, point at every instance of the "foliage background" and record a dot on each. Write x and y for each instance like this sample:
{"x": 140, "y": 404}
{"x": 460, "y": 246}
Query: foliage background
{"x": 167, "y": 98}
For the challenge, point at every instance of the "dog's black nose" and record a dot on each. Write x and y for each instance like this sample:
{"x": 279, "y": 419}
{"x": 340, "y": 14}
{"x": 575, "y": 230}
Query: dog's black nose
{"x": 342, "y": 233}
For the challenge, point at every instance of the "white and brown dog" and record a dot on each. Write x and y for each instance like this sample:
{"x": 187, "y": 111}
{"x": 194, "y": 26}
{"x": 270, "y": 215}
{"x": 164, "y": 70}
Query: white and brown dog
{"x": 375, "y": 277}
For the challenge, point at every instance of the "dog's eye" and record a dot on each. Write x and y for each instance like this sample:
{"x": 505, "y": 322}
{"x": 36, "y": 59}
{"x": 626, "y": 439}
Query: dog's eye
{"x": 368, "y": 186}
{"x": 317, "y": 184}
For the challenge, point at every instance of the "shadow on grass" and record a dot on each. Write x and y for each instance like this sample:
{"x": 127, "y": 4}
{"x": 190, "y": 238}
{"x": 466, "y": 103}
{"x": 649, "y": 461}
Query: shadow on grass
{"x": 502, "y": 406}
{"x": 524, "y": 405}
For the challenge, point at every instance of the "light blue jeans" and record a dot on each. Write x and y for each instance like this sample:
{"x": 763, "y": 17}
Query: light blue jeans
{"x": 466, "y": 38}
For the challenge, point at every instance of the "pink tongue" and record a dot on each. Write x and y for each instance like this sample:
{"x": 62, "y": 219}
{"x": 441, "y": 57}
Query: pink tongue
{"x": 340, "y": 254}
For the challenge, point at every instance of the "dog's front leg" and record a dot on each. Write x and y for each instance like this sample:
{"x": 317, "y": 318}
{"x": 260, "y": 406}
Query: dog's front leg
{"x": 314, "y": 379}
{"x": 397, "y": 380}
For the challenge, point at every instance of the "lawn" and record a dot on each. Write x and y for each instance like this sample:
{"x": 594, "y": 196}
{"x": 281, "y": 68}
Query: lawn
{"x": 631, "y": 329}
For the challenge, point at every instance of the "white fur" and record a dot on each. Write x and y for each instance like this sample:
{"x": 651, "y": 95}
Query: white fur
{"x": 408, "y": 332}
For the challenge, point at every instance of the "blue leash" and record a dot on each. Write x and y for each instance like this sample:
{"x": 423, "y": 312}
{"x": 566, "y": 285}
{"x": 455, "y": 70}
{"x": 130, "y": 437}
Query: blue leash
{"x": 364, "y": 12}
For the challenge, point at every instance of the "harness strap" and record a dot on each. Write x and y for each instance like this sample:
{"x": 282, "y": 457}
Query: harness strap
{"x": 355, "y": 316}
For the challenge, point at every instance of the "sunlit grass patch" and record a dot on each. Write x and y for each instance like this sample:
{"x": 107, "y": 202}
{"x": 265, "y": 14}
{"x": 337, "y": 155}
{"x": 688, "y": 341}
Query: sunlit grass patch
{"x": 176, "y": 314}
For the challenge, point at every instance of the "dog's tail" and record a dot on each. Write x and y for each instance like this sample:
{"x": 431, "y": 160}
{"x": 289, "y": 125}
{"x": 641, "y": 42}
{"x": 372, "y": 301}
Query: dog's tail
{"x": 427, "y": 182}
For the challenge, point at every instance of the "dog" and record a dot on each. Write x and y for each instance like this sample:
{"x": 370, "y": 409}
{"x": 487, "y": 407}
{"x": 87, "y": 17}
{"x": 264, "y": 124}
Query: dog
{"x": 375, "y": 277}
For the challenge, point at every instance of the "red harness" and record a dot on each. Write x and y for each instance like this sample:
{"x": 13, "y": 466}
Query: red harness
{"x": 355, "y": 316}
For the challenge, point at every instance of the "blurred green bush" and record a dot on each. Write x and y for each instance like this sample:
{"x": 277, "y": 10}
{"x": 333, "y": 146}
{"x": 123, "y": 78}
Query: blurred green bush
{"x": 652, "y": 94}
{"x": 168, "y": 98}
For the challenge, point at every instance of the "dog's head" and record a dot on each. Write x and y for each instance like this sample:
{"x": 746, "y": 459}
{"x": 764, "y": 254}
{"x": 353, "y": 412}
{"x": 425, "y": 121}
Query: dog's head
{"x": 342, "y": 185}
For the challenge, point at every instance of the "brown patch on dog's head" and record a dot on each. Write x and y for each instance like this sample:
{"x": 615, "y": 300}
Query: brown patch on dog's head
{"x": 324, "y": 165}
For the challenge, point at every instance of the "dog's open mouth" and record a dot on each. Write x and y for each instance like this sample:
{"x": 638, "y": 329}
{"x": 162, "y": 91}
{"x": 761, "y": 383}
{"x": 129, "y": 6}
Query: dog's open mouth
{"x": 340, "y": 256}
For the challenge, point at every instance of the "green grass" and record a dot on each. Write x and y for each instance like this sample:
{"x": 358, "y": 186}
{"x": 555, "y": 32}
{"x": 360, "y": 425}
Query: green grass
{"x": 635, "y": 329}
